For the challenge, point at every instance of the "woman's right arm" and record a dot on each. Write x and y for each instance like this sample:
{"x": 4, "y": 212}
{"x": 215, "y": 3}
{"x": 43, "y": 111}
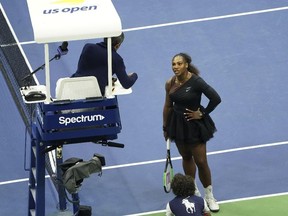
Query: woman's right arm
{"x": 168, "y": 106}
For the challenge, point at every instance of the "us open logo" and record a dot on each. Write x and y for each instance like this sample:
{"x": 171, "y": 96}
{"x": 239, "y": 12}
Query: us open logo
{"x": 72, "y": 9}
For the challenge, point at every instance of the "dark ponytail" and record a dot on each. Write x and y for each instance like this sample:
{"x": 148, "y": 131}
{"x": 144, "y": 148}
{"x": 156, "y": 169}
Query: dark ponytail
{"x": 191, "y": 68}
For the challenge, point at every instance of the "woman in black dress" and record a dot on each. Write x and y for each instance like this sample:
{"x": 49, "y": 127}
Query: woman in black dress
{"x": 187, "y": 122}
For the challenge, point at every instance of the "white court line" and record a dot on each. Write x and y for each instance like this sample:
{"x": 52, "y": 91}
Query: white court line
{"x": 220, "y": 202}
{"x": 208, "y": 19}
{"x": 174, "y": 158}
{"x": 196, "y": 20}
{"x": 209, "y": 153}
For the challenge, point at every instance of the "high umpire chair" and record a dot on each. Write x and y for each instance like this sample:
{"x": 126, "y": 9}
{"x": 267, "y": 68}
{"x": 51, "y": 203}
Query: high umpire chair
{"x": 73, "y": 116}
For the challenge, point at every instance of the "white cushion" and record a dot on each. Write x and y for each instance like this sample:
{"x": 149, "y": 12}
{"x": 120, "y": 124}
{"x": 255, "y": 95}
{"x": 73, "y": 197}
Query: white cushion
{"x": 76, "y": 88}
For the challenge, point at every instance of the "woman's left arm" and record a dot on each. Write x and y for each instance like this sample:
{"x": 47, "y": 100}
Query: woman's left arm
{"x": 211, "y": 94}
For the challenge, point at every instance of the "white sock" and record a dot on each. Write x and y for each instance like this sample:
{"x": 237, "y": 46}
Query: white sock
{"x": 209, "y": 191}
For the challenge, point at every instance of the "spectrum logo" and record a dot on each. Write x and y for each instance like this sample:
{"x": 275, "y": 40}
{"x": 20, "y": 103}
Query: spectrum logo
{"x": 80, "y": 119}
{"x": 70, "y": 9}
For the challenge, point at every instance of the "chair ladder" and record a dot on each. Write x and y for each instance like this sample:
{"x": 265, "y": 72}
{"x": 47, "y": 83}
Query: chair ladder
{"x": 36, "y": 194}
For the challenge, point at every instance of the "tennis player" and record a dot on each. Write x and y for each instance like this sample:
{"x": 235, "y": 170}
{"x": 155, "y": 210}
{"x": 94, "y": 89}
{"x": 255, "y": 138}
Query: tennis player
{"x": 188, "y": 123}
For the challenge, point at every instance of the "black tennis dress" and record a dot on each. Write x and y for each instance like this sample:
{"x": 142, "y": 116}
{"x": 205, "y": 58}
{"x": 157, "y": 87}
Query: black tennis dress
{"x": 188, "y": 96}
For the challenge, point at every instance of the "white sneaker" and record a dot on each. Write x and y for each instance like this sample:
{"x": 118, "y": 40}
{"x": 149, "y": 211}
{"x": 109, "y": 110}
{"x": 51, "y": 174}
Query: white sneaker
{"x": 212, "y": 204}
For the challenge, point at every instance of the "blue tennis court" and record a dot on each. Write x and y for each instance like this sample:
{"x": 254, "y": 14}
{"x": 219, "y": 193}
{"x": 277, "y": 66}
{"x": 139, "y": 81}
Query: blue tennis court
{"x": 240, "y": 48}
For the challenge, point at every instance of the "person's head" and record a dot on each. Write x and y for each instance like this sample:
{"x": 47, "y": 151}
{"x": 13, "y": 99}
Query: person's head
{"x": 116, "y": 41}
{"x": 183, "y": 62}
{"x": 183, "y": 185}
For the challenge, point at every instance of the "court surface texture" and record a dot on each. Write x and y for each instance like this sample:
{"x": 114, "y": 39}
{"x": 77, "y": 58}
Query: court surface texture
{"x": 240, "y": 48}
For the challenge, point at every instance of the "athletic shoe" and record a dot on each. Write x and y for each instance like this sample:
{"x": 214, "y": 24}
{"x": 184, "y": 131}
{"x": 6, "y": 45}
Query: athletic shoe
{"x": 212, "y": 204}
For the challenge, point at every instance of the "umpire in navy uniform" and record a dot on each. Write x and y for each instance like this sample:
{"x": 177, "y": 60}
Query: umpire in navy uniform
{"x": 93, "y": 61}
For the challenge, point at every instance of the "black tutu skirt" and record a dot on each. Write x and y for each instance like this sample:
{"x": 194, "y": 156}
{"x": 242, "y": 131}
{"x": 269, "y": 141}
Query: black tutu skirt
{"x": 198, "y": 131}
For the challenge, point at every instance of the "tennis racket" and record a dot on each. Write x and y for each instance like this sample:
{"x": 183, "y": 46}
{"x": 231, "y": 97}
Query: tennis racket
{"x": 168, "y": 171}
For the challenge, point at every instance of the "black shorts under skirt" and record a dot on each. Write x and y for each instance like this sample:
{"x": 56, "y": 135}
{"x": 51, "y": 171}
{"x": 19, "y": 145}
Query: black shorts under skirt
{"x": 198, "y": 131}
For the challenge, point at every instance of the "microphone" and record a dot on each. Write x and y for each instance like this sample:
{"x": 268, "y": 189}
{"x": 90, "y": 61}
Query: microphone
{"x": 114, "y": 144}
{"x": 62, "y": 50}
{"x": 109, "y": 143}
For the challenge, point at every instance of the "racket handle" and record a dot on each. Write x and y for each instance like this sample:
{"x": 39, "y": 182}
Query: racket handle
{"x": 168, "y": 143}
